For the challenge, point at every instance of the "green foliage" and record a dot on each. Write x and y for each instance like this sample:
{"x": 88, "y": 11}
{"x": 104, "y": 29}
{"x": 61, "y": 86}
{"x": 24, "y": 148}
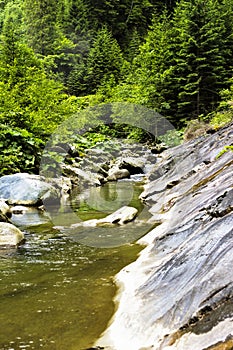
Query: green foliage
{"x": 224, "y": 113}
{"x": 224, "y": 150}
{"x": 19, "y": 150}
{"x": 104, "y": 61}
{"x": 42, "y": 27}
{"x": 60, "y": 57}
{"x": 171, "y": 138}
{"x": 220, "y": 119}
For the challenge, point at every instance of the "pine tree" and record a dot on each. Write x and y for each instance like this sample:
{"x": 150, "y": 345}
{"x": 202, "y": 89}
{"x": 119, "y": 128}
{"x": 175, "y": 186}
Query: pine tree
{"x": 41, "y": 19}
{"x": 198, "y": 57}
{"x": 105, "y": 60}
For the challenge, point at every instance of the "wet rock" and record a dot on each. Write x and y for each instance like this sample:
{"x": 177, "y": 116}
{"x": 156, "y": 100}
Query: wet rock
{"x": 10, "y": 235}
{"x": 26, "y": 189}
{"x": 178, "y": 294}
{"x": 120, "y": 217}
{"x": 109, "y": 162}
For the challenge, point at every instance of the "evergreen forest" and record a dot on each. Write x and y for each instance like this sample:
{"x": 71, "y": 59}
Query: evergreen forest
{"x": 58, "y": 57}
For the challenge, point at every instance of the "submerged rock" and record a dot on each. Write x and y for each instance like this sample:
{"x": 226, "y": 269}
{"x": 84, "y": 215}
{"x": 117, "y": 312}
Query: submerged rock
{"x": 10, "y": 235}
{"x": 178, "y": 295}
{"x": 120, "y": 217}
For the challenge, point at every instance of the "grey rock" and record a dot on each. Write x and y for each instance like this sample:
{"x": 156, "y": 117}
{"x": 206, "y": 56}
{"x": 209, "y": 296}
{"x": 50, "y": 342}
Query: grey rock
{"x": 116, "y": 174}
{"x": 134, "y": 165}
{"x": 80, "y": 176}
{"x": 26, "y": 189}
{"x": 120, "y": 217}
{"x": 179, "y": 293}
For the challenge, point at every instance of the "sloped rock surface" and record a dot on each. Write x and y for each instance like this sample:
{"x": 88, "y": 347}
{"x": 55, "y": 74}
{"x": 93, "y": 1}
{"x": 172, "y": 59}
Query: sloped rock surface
{"x": 179, "y": 293}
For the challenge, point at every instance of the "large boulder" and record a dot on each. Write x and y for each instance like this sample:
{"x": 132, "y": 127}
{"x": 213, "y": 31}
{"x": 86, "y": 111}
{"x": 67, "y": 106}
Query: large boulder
{"x": 79, "y": 176}
{"x": 26, "y": 189}
{"x": 10, "y": 235}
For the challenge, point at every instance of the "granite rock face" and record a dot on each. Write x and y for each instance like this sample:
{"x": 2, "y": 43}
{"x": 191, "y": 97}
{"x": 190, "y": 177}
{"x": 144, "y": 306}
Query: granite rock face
{"x": 178, "y": 295}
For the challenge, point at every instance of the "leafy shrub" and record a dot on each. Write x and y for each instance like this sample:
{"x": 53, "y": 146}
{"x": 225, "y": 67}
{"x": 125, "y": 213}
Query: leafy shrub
{"x": 171, "y": 138}
{"x": 20, "y": 151}
{"x": 220, "y": 119}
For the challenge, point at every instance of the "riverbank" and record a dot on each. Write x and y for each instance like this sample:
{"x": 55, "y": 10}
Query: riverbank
{"x": 178, "y": 294}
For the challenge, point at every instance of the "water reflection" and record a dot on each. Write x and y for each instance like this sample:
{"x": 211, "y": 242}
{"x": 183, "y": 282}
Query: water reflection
{"x": 56, "y": 290}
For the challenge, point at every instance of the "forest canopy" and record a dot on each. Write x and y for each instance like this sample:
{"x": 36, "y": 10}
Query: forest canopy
{"x": 58, "y": 57}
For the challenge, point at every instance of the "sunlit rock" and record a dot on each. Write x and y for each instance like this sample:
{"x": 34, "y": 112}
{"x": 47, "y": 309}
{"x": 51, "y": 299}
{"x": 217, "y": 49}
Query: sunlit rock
{"x": 178, "y": 295}
{"x": 120, "y": 217}
{"x": 10, "y": 235}
{"x": 115, "y": 173}
{"x": 26, "y": 189}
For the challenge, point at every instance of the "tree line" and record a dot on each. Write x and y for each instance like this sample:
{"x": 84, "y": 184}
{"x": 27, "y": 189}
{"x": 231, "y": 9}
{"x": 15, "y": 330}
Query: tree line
{"x": 57, "y": 57}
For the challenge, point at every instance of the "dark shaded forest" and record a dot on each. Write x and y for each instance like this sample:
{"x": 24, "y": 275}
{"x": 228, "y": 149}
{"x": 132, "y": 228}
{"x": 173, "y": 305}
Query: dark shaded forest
{"x": 60, "y": 57}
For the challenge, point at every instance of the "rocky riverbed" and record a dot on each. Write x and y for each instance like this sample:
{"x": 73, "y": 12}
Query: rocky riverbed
{"x": 178, "y": 294}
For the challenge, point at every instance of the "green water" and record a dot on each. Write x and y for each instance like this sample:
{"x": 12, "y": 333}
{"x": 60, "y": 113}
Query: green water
{"x": 56, "y": 292}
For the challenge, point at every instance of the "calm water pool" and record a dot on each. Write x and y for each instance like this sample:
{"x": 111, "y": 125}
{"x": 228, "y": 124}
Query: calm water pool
{"x": 56, "y": 290}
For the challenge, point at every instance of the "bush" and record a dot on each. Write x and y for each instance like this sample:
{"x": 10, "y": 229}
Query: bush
{"x": 20, "y": 151}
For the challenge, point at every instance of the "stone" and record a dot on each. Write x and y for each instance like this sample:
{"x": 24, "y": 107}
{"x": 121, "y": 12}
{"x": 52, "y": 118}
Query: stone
{"x": 5, "y": 211}
{"x": 78, "y": 175}
{"x": 10, "y": 235}
{"x": 119, "y": 217}
{"x": 26, "y": 189}
{"x": 116, "y": 174}
{"x": 134, "y": 165}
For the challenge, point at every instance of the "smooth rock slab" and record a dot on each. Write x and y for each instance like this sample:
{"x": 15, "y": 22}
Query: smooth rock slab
{"x": 120, "y": 217}
{"x": 26, "y": 189}
{"x": 10, "y": 235}
{"x": 178, "y": 294}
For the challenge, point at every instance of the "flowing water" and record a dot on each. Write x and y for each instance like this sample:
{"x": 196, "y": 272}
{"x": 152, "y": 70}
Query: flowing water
{"x": 57, "y": 289}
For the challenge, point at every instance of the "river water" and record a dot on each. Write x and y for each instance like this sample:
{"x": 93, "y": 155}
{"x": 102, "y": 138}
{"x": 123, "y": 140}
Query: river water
{"x": 57, "y": 289}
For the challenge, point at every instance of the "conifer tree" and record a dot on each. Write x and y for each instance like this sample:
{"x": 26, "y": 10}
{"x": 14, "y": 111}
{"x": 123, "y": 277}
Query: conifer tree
{"x": 199, "y": 52}
{"x": 105, "y": 60}
{"x": 41, "y": 19}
